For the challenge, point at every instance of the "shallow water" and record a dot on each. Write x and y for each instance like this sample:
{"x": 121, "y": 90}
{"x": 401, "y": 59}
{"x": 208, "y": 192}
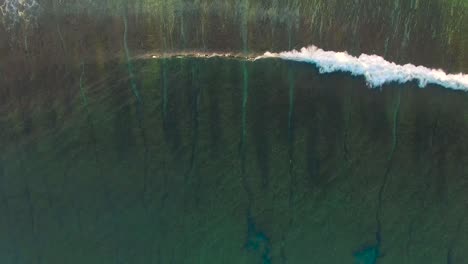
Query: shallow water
{"x": 311, "y": 169}
{"x": 124, "y": 138}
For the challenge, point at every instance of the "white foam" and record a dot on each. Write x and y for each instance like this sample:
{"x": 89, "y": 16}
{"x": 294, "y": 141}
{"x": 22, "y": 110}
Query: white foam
{"x": 375, "y": 69}
{"x": 18, "y": 11}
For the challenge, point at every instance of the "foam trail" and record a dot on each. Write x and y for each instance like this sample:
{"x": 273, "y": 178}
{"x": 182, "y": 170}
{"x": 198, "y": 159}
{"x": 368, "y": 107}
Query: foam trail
{"x": 375, "y": 69}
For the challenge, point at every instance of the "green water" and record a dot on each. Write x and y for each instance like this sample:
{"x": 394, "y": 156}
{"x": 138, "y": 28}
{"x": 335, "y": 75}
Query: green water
{"x": 193, "y": 171}
{"x": 106, "y": 157}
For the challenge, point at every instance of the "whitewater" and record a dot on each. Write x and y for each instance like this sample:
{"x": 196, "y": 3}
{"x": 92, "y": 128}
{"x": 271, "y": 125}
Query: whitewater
{"x": 375, "y": 69}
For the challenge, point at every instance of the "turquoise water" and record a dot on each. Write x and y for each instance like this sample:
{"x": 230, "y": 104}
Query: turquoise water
{"x": 195, "y": 171}
{"x": 124, "y": 140}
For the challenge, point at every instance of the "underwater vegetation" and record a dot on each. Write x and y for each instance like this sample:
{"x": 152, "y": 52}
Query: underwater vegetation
{"x": 426, "y": 33}
{"x": 301, "y": 166}
{"x": 155, "y": 131}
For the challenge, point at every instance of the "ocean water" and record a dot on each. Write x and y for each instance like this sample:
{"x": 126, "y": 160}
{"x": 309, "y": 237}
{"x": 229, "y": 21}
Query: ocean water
{"x": 203, "y": 132}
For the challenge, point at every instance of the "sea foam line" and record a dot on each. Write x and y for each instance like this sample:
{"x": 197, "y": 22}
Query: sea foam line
{"x": 375, "y": 69}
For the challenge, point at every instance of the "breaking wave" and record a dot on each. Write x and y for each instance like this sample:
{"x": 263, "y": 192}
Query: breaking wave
{"x": 375, "y": 69}
{"x": 13, "y": 12}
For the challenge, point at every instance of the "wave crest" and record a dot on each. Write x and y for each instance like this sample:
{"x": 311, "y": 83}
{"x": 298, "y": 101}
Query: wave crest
{"x": 375, "y": 69}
